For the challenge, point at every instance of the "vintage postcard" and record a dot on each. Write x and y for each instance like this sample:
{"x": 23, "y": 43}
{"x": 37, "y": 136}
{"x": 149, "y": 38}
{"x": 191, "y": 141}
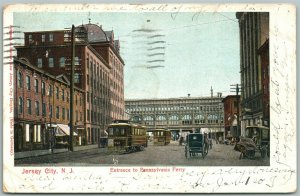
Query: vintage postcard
{"x": 149, "y": 98}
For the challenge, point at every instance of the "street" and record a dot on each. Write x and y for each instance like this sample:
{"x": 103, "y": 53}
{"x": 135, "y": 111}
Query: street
{"x": 172, "y": 154}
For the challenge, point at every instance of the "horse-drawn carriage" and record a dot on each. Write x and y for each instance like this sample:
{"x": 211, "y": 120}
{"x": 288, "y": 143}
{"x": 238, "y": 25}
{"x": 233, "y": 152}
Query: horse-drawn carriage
{"x": 196, "y": 143}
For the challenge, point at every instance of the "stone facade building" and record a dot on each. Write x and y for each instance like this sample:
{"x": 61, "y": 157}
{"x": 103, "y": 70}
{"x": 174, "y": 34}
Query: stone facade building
{"x": 254, "y": 66}
{"x": 180, "y": 115}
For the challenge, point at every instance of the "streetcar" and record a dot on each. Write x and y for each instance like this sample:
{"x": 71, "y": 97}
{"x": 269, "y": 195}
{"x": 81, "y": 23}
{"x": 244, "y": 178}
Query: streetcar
{"x": 125, "y": 136}
{"x": 161, "y": 137}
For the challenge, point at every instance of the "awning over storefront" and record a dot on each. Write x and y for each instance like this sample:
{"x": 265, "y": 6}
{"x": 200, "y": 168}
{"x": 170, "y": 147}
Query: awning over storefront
{"x": 212, "y": 130}
{"x": 63, "y": 130}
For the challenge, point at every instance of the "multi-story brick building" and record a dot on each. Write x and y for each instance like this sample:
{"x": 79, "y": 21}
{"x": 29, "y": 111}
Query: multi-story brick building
{"x": 254, "y": 66}
{"x": 265, "y": 81}
{"x": 42, "y": 108}
{"x": 98, "y": 70}
{"x": 231, "y": 111}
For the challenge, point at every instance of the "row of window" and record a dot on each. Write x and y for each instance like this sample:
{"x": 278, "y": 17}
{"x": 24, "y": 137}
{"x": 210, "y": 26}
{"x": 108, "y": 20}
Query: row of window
{"x": 186, "y": 117}
{"x": 64, "y": 112}
{"x": 204, "y": 108}
{"x": 28, "y": 83}
{"x": 184, "y": 122}
{"x": 95, "y": 100}
{"x": 29, "y": 108}
{"x": 43, "y": 88}
{"x": 116, "y": 131}
{"x": 95, "y": 116}
{"x": 99, "y": 85}
{"x": 43, "y": 38}
{"x": 51, "y": 60}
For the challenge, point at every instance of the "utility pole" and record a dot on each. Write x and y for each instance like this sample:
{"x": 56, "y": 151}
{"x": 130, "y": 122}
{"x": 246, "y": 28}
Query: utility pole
{"x": 72, "y": 89}
{"x": 211, "y": 96}
{"x": 236, "y": 89}
{"x": 220, "y": 114}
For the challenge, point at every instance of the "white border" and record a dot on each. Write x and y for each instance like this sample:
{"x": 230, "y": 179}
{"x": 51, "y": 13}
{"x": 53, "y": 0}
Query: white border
{"x": 279, "y": 177}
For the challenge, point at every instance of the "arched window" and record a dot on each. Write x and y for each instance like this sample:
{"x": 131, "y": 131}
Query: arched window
{"x": 212, "y": 119}
{"x": 173, "y": 120}
{"x": 199, "y": 119}
{"x": 161, "y": 120}
{"x": 187, "y": 119}
{"x": 149, "y": 120}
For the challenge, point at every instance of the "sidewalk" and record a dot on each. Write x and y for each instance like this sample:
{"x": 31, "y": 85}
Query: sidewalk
{"x": 34, "y": 153}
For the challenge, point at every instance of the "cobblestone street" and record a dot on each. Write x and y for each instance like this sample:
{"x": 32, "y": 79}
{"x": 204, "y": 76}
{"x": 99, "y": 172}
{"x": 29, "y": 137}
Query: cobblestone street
{"x": 172, "y": 154}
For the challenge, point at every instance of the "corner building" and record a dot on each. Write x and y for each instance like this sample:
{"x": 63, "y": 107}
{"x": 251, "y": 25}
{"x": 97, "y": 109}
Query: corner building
{"x": 42, "y": 107}
{"x": 254, "y": 68}
{"x": 98, "y": 70}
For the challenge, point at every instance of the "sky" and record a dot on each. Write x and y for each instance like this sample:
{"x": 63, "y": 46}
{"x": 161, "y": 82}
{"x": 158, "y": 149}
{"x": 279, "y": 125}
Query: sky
{"x": 165, "y": 55}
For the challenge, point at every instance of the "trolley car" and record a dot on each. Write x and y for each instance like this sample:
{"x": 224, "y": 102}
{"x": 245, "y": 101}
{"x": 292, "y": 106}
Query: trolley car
{"x": 125, "y": 136}
{"x": 161, "y": 136}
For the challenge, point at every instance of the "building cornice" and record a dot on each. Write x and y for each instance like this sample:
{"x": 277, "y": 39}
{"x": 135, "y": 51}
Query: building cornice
{"x": 174, "y": 99}
{"x": 111, "y": 47}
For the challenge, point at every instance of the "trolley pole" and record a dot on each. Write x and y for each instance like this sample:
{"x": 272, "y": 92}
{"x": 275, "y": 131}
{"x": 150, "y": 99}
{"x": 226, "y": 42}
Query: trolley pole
{"x": 72, "y": 89}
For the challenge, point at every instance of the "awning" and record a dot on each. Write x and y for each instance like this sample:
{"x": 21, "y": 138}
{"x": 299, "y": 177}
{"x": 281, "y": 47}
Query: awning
{"x": 52, "y": 125}
{"x": 63, "y": 130}
{"x": 212, "y": 130}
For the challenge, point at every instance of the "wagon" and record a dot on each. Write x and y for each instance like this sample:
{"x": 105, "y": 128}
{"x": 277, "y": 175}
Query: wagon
{"x": 257, "y": 139}
{"x": 261, "y": 137}
{"x": 196, "y": 144}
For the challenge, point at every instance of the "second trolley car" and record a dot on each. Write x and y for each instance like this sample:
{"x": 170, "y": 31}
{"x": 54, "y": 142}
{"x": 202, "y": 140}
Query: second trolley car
{"x": 161, "y": 136}
{"x": 125, "y": 136}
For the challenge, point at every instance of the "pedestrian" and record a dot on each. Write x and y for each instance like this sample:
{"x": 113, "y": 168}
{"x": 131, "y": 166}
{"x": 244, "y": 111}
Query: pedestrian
{"x": 180, "y": 140}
